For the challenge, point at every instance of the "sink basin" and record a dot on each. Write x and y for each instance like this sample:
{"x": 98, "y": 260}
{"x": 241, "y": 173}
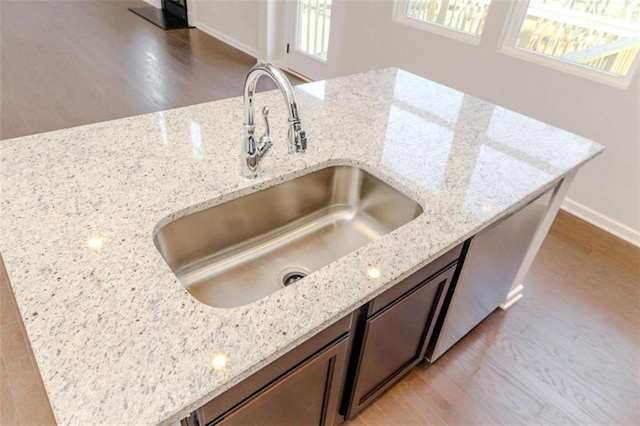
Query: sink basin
{"x": 243, "y": 250}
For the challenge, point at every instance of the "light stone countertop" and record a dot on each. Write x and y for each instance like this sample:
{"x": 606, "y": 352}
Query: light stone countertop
{"x": 116, "y": 336}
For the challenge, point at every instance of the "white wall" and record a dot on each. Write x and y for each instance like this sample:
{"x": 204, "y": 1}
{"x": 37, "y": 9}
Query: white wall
{"x": 256, "y": 27}
{"x": 155, "y": 3}
{"x": 607, "y": 190}
{"x": 236, "y": 22}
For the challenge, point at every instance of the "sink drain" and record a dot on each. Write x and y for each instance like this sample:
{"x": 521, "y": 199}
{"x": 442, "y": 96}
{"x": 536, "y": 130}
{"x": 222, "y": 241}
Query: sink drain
{"x": 293, "y": 274}
{"x": 292, "y": 277}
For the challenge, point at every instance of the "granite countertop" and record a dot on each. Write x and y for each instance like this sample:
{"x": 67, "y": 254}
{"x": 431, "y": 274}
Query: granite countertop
{"x": 116, "y": 336}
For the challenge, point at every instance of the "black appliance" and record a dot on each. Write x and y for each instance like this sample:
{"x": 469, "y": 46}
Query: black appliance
{"x": 173, "y": 14}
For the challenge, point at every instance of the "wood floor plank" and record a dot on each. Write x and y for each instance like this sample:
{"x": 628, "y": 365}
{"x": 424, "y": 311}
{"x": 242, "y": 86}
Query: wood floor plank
{"x": 416, "y": 403}
{"x": 448, "y": 398}
{"x": 8, "y": 412}
{"x": 495, "y": 391}
{"x": 551, "y": 415}
{"x": 402, "y": 405}
{"x": 9, "y": 313}
{"x": 66, "y": 64}
{"x": 570, "y": 386}
{"x": 554, "y": 379}
{"x": 372, "y": 416}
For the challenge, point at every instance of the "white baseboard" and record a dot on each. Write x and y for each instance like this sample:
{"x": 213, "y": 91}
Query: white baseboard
{"x": 226, "y": 39}
{"x": 601, "y": 221}
{"x": 300, "y": 76}
{"x": 280, "y": 63}
{"x": 514, "y": 295}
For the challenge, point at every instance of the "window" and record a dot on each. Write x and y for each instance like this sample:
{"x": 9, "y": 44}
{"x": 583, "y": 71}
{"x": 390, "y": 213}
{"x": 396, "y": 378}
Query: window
{"x": 462, "y": 19}
{"x": 314, "y": 22}
{"x": 599, "y": 34}
{"x": 462, "y": 15}
{"x": 596, "y": 39}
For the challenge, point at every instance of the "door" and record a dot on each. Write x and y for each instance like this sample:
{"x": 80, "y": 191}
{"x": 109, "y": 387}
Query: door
{"x": 311, "y": 37}
{"x": 395, "y": 339}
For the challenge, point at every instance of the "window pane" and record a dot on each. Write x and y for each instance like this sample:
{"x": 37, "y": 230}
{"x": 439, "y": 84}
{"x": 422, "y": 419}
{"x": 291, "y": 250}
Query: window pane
{"x": 463, "y": 15}
{"x": 314, "y": 22}
{"x": 601, "y": 34}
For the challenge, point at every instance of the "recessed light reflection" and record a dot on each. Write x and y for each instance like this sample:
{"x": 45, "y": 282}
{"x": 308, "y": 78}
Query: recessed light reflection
{"x": 219, "y": 361}
{"x": 95, "y": 243}
{"x": 374, "y": 272}
{"x": 487, "y": 208}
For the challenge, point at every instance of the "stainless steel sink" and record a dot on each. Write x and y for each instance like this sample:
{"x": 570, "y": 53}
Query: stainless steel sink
{"x": 245, "y": 249}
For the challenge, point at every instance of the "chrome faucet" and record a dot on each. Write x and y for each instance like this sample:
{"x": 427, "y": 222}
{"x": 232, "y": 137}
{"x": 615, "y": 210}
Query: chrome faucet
{"x": 252, "y": 149}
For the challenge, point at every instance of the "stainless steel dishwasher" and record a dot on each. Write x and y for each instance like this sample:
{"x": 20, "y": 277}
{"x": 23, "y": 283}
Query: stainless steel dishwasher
{"x": 492, "y": 261}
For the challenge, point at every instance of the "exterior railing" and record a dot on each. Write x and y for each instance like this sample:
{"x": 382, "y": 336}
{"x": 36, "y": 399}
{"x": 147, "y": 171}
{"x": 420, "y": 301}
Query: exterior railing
{"x": 314, "y": 22}
{"x": 601, "y": 34}
{"x": 605, "y": 42}
{"x": 461, "y": 15}
{"x": 617, "y": 57}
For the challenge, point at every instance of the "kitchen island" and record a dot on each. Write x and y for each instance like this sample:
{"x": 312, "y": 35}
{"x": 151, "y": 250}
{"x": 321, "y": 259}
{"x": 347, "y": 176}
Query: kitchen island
{"x": 116, "y": 336}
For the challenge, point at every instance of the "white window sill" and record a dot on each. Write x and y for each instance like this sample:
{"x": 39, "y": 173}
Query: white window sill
{"x": 619, "y": 81}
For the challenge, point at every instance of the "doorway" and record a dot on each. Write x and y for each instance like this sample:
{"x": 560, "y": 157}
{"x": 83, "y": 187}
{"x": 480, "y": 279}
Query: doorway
{"x": 311, "y": 37}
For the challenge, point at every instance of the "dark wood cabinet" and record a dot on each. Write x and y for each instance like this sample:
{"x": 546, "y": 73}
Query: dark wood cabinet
{"x": 303, "y": 387}
{"x": 333, "y": 375}
{"x": 395, "y": 339}
{"x": 307, "y": 395}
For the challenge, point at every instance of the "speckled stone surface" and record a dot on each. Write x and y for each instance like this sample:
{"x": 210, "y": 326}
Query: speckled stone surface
{"x": 116, "y": 336}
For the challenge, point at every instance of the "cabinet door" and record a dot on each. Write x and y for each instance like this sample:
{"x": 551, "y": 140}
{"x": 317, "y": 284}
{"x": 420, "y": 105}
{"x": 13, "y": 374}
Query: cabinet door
{"x": 395, "y": 339}
{"x": 307, "y": 395}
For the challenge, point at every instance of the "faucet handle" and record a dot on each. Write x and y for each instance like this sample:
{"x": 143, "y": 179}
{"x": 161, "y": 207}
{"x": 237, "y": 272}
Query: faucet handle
{"x": 301, "y": 141}
{"x": 266, "y": 138}
{"x": 297, "y": 137}
{"x": 265, "y": 114}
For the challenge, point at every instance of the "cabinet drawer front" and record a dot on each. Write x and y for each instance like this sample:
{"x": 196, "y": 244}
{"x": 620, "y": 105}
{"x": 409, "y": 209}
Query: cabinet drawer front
{"x": 411, "y": 281}
{"x": 395, "y": 338}
{"x": 245, "y": 389}
{"x": 306, "y": 395}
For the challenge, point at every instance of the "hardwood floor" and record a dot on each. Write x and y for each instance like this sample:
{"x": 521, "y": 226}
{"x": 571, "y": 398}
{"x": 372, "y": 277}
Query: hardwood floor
{"x": 568, "y": 352}
{"x": 68, "y": 63}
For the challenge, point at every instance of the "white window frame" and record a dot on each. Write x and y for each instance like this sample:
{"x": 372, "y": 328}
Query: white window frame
{"x": 400, "y": 16}
{"x": 508, "y": 47}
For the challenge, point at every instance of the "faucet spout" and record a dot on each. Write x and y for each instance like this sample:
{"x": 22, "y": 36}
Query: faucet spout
{"x": 253, "y": 151}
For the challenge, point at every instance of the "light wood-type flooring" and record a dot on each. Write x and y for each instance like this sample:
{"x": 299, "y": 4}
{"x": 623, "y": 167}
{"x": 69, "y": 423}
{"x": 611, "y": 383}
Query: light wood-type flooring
{"x": 567, "y": 353}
